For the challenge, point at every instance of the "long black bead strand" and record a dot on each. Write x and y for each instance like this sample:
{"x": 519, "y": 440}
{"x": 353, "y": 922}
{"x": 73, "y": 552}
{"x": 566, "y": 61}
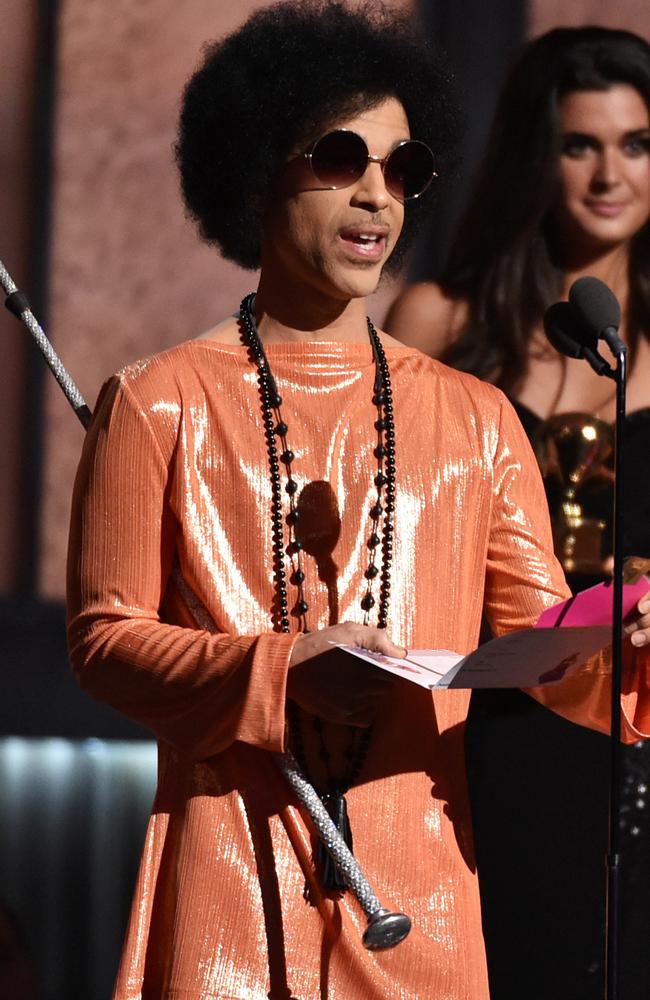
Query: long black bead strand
{"x": 384, "y": 480}
{"x": 374, "y": 541}
{"x": 275, "y": 427}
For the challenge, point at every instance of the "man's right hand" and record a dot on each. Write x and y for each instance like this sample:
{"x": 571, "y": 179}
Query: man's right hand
{"x": 340, "y": 688}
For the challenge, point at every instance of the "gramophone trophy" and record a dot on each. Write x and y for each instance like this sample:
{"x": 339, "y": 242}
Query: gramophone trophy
{"x": 576, "y": 456}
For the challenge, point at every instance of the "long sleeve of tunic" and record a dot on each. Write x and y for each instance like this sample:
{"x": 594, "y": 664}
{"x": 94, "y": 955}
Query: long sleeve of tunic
{"x": 196, "y": 689}
{"x": 171, "y": 597}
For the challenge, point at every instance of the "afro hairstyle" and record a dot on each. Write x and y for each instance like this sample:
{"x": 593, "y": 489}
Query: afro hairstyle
{"x": 291, "y": 71}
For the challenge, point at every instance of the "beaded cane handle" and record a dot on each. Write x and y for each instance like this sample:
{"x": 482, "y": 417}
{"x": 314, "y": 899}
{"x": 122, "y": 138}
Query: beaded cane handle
{"x": 385, "y": 929}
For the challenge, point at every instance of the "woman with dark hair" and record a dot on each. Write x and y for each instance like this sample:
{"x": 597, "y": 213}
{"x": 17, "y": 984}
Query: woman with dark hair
{"x": 546, "y": 209}
{"x": 563, "y": 191}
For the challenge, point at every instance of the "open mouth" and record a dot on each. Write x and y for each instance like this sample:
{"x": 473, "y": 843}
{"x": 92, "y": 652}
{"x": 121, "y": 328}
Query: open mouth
{"x": 366, "y": 244}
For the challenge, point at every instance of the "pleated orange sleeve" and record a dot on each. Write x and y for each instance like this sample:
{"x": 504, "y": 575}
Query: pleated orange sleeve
{"x": 197, "y": 690}
{"x": 586, "y": 698}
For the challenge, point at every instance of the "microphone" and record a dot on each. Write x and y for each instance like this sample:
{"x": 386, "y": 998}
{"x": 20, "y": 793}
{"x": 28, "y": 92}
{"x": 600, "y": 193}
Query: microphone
{"x": 560, "y": 326}
{"x": 599, "y": 312}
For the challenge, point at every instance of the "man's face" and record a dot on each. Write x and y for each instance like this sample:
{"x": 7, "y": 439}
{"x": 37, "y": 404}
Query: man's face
{"x": 337, "y": 241}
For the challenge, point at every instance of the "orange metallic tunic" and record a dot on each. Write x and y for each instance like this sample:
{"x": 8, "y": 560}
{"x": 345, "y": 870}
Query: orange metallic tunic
{"x": 171, "y": 531}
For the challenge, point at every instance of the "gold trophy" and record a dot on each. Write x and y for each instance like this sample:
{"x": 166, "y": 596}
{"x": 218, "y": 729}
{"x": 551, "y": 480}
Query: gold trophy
{"x": 576, "y": 456}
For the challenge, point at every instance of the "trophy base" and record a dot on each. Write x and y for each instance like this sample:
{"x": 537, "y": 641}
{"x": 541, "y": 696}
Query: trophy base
{"x": 578, "y": 544}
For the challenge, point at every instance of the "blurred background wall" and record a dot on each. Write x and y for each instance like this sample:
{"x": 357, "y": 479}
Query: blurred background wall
{"x": 93, "y": 229}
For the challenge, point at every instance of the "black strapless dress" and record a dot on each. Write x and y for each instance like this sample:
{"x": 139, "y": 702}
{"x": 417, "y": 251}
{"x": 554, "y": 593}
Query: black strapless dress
{"x": 540, "y": 790}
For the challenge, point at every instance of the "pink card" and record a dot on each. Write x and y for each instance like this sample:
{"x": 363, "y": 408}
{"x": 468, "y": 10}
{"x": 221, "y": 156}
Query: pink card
{"x": 593, "y": 606}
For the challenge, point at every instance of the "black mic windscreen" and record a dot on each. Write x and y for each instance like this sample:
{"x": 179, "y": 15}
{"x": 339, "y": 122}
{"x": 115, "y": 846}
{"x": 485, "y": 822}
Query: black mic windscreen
{"x": 559, "y": 322}
{"x": 595, "y": 304}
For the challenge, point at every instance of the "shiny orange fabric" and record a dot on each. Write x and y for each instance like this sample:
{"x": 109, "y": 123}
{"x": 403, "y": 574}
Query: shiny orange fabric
{"x": 170, "y": 598}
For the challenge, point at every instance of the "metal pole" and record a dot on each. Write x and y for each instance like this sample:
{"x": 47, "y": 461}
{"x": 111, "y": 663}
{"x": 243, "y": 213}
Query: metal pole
{"x": 614, "y": 849}
{"x": 16, "y": 302}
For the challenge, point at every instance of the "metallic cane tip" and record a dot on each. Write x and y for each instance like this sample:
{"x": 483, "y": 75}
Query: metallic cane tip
{"x": 385, "y": 930}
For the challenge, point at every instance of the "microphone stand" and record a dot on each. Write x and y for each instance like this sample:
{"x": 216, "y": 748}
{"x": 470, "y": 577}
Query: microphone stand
{"x": 560, "y": 322}
{"x": 614, "y": 848}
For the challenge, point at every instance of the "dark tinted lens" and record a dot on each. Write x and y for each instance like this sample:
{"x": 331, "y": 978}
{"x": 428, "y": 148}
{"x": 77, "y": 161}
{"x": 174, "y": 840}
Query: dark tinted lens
{"x": 409, "y": 170}
{"x": 339, "y": 158}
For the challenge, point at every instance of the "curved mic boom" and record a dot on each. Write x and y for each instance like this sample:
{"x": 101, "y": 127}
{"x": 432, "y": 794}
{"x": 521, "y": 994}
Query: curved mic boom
{"x": 561, "y": 327}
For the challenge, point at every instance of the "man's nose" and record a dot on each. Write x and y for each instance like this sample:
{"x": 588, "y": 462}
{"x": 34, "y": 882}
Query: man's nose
{"x": 370, "y": 189}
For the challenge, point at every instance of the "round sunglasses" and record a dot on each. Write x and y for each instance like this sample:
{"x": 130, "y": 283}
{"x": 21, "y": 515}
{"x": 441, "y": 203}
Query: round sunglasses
{"x": 340, "y": 158}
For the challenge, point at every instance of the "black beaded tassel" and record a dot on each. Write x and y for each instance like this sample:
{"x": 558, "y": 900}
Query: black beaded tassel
{"x": 330, "y": 875}
{"x": 383, "y": 510}
{"x": 334, "y": 800}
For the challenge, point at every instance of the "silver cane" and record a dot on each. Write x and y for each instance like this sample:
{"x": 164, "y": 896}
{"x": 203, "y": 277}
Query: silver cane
{"x": 384, "y": 929}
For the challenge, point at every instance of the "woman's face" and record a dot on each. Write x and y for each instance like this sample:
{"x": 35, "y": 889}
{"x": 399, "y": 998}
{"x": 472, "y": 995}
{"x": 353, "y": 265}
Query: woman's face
{"x": 604, "y": 168}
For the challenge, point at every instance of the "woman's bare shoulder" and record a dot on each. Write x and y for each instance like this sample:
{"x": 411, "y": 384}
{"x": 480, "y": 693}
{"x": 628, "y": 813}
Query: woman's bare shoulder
{"x": 424, "y": 316}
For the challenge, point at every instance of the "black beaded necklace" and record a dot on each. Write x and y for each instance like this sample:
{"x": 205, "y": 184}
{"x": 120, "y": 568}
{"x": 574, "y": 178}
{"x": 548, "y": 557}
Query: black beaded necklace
{"x": 381, "y": 513}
